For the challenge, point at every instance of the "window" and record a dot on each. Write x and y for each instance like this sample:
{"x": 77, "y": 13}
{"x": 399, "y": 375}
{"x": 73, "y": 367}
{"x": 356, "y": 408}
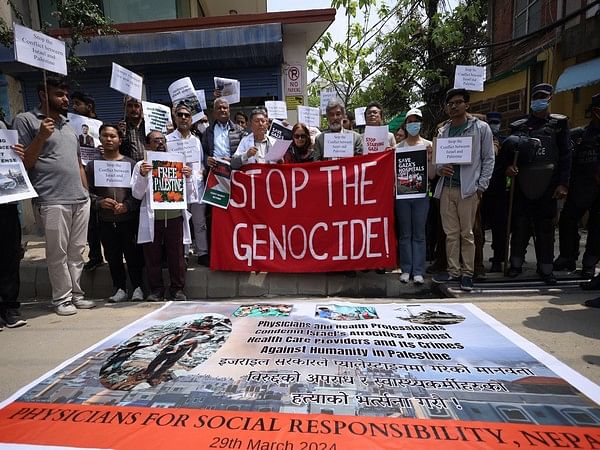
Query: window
{"x": 513, "y": 414}
{"x": 527, "y": 18}
{"x": 580, "y": 417}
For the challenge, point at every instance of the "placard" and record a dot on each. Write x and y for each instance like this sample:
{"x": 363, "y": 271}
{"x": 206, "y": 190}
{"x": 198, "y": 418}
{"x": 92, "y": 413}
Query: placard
{"x": 189, "y": 148}
{"x": 201, "y": 98}
{"x": 167, "y": 182}
{"x": 375, "y": 139}
{"x": 309, "y": 116}
{"x": 14, "y": 181}
{"x": 279, "y": 131}
{"x": 38, "y": 50}
{"x": 156, "y": 117}
{"x": 126, "y": 81}
{"x": 277, "y": 151}
{"x": 454, "y": 150}
{"x": 230, "y": 89}
{"x": 182, "y": 91}
{"x": 88, "y": 135}
{"x": 411, "y": 172}
{"x": 218, "y": 185}
{"x": 338, "y": 145}
{"x": 276, "y": 109}
{"x": 325, "y": 96}
{"x": 359, "y": 116}
{"x": 112, "y": 174}
{"x": 470, "y": 78}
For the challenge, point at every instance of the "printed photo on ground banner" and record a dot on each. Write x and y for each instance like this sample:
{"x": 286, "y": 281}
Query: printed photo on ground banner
{"x": 320, "y": 217}
{"x": 168, "y": 187}
{"x": 411, "y": 172}
{"x": 309, "y": 375}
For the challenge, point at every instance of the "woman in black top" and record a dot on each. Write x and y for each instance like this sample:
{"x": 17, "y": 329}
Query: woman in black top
{"x": 300, "y": 150}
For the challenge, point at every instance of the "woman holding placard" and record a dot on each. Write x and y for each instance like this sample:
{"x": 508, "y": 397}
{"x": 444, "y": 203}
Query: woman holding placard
{"x": 411, "y": 212}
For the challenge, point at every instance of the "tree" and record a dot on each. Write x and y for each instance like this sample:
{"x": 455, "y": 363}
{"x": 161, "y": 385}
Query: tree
{"x": 82, "y": 20}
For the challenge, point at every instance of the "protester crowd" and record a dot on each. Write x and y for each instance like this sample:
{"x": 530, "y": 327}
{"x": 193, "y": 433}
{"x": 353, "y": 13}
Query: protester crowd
{"x": 513, "y": 183}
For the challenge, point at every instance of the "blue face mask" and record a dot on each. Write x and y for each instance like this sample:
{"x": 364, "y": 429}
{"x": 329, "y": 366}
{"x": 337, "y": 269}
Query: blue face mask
{"x": 413, "y": 128}
{"x": 539, "y": 105}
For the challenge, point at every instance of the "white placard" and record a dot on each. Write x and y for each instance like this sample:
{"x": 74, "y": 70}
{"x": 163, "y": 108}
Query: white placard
{"x": 309, "y": 116}
{"x": 38, "y": 50}
{"x": 375, "y": 139}
{"x": 112, "y": 173}
{"x": 14, "y": 182}
{"x": 230, "y": 89}
{"x": 156, "y": 117}
{"x": 201, "y": 98}
{"x": 126, "y": 81}
{"x": 338, "y": 145}
{"x": 89, "y": 139}
{"x": 326, "y": 95}
{"x": 359, "y": 116}
{"x": 276, "y": 109}
{"x": 454, "y": 150}
{"x": 469, "y": 77}
{"x": 277, "y": 151}
{"x": 182, "y": 91}
{"x": 190, "y": 148}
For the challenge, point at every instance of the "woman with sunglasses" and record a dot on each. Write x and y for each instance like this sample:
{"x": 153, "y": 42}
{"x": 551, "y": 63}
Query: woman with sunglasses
{"x": 301, "y": 148}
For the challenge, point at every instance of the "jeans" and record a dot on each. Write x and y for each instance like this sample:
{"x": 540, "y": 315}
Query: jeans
{"x": 411, "y": 217}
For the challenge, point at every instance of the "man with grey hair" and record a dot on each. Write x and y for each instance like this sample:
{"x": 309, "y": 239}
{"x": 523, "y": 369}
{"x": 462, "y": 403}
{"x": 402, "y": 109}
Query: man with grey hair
{"x": 255, "y": 146}
{"x": 222, "y": 137}
{"x": 336, "y": 112}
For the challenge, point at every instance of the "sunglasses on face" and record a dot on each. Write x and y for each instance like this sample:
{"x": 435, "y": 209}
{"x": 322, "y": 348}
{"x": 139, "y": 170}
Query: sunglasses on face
{"x": 184, "y": 115}
{"x": 299, "y": 136}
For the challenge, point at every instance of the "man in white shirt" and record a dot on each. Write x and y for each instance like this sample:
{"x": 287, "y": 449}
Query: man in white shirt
{"x": 254, "y": 147}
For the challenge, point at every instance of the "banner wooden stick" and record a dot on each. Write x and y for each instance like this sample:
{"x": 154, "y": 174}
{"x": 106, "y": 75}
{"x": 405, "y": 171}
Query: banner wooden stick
{"x": 509, "y": 219}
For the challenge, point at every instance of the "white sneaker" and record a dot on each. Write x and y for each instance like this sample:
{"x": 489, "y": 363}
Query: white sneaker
{"x": 138, "y": 294}
{"x": 418, "y": 279}
{"x": 65, "y": 309}
{"x": 81, "y": 303}
{"x": 404, "y": 277}
{"x": 120, "y": 296}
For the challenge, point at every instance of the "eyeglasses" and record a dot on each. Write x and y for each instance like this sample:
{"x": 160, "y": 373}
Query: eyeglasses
{"x": 203, "y": 121}
{"x": 184, "y": 115}
{"x": 299, "y": 136}
{"x": 455, "y": 102}
{"x": 158, "y": 140}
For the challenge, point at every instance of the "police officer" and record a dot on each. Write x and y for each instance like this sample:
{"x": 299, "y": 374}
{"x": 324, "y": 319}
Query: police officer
{"x": 542, "y": 177}
{"x": 584, "y": 196}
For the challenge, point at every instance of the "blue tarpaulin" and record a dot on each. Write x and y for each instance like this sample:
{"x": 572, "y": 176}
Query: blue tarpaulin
{"x": 579, "y": 75}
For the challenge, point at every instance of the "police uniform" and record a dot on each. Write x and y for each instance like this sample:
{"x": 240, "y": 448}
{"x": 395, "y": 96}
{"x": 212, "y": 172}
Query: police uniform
{"x": 544, "y": 162}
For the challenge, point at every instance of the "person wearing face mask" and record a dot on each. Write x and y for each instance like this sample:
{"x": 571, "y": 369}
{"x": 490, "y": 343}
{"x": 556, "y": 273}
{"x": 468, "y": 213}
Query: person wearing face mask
{"x": 541, "y": 176}
{"x": 411, "y": 214}
{"x": 583, "y": 196}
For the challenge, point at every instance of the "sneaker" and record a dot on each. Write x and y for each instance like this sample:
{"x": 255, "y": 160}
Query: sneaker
{"x": 443, "y": 278}
{"x": 204, "y": 260}
{"x": 81, "y": 303}
{"x": 561, "y": 263}
{"x": 418, "y": 279}
{"x": 119, "y": 296}
{"x": 466, "y": 284}
{"x": 587, "y": 273}
{"x": 591, "y": 285}
{"x": 155, "y": 297}
{"x": 436, "y": 268}
{"x": 179, "y": 296}
{"x": 594, "y": 303}
{"x": 404, "y": 277}
{"x": 11, "y": 318}
{"x": 514, "y": 272}
{"x": 549, "y": 279}
{"x": 65, "y": 309}
{"x": 138, "y": 295}
{"x": 92, "y": 265}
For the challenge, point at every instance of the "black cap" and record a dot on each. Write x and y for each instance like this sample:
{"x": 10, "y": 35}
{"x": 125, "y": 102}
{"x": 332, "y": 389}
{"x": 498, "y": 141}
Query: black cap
{"x": 596, "y": 101}
{"x": 493, "y": 117}
{"x": 543, "y": 88}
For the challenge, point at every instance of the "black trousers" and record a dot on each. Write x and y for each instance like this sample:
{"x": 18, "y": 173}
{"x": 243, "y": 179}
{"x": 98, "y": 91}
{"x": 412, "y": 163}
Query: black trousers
{"x": 10, "y": 261}
{"x": 93, "y": 237}
{"x": 568, "y": 232}
{"x": 120, "y": 239}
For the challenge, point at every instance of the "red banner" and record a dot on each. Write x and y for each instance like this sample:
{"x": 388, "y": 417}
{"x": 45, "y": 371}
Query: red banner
{"x": 316, "y": 217}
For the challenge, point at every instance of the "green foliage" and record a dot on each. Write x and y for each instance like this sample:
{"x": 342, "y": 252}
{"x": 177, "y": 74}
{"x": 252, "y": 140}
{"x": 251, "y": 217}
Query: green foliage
{"x": 83, "y": 20}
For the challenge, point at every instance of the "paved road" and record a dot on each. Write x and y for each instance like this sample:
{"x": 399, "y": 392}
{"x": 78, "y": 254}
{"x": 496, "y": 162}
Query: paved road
{"x": 559, "y": 325}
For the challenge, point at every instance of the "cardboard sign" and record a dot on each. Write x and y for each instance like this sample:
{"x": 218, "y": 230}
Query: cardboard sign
{"x": 156, "y": 117}
{"x": 359, "y": 116}
{"x": 38, "y": 50}
{"x": 309, "y": 116}
{"x": 88, "y": 135}
{"x": 14, "y": 181}
{"x": 325, "y": 96}
{"x": 182, "y": 91}
{"x": 201, "y": 98}
{"x": 276, "y": 109}
{"x": 230, "y": 89}
{"x": 411, "y": 172}
{"x": 167, "y": 182}
{"x": 455, "y": 150}
{"x": 126, "y": 81}
{"x": 338, "y": 145}
{"x": 189, "y": 148}
{"x": 112, "y": 174}
{"x": 279, "y": 131}
{"x": 375, "y": 139}
{"x": 470, "y": 78}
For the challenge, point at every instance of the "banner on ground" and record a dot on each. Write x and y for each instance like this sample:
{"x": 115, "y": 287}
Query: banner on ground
{"x": 320, "y": 217}
{"x": 230, "y": 89}
{"x": 156, "y": 117}
{"x": 309, "y": 375}
{"x": 167, "y": 181}
{"x": 411, "y": 172}
{"x": 88, "y": 134}
{"x": 126, "y": 81}
{"x": 39, "y": 50}
{"x": 14, "y": 181}
{"x": 218, "y": 185}
{"x": 182, "y": 91}
{"x": 112, "y": 174}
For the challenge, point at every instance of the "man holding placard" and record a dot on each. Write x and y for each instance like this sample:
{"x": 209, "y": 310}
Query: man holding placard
{"x": 133, "y": 129}
{"x": 336, "y": 112}
{"x": 255, "y": 146}
{"x": 464, "y": 156}
{"x": 62, "y": 207}
{"x": 374, "y": 118}
{"x": 109, "y": 181}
